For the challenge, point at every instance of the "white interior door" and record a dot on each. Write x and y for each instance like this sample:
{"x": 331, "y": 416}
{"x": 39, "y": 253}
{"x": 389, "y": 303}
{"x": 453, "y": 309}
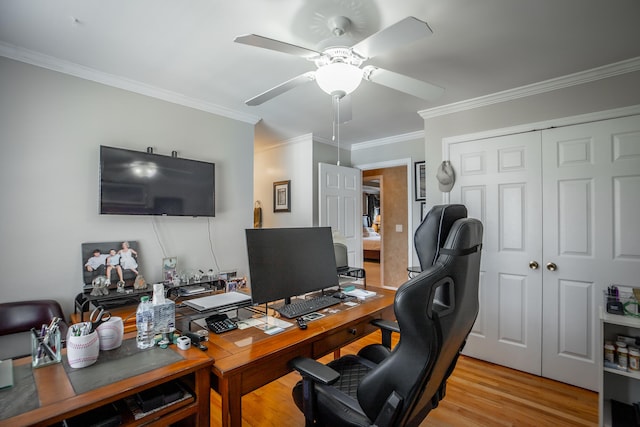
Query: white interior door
{"x": 587, "y": 196}
{"x": 340, "y": 206}
{"x": 498, "y": 179}
{"x": 591, "y": 186}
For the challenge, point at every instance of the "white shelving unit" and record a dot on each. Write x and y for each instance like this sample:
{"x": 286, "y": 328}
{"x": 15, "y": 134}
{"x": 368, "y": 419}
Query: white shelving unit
{"x": 616, "y": 384}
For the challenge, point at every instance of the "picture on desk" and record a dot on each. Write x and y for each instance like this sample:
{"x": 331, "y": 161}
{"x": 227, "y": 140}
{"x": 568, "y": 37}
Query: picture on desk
{"x": 117, "y": 261}
{"x": 169, "y": 268}
{"x": 235, "y": 283}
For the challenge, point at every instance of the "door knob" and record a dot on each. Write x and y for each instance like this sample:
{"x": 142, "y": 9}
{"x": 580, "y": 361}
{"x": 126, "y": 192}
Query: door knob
{"x": 551, "y": 266}
{"x": 533, "y": 265}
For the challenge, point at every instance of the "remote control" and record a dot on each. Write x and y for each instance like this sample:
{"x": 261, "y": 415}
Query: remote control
{"x": 302, "y": 324}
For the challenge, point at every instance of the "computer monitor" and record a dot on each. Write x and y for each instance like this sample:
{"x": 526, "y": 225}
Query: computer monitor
{"x": 287, "y": 262}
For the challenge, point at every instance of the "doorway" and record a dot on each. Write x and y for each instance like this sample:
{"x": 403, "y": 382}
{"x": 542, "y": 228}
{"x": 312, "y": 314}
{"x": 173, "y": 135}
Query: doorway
{"x": 371, "y": 223}
{"x": 391, "y": 221}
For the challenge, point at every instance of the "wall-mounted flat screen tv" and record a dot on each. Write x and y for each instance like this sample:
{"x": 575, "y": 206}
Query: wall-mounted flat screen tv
{"x": 140, "y": 183}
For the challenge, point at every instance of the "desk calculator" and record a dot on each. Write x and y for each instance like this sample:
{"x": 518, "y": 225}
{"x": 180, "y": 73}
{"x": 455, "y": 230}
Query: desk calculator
{"x": 219, "y": 323}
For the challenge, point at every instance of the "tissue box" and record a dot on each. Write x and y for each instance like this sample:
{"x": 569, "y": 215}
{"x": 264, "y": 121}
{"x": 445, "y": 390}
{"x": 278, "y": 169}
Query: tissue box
{"x": 164, "y": 317}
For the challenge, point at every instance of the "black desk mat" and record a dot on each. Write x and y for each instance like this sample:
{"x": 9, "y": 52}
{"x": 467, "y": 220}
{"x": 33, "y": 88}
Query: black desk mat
{"x": 118, "y": 364}
{"x": 22, "y": 397}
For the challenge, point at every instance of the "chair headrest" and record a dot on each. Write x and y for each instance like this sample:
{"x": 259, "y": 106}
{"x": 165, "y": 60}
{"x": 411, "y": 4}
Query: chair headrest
{"x": 432, "y": 233}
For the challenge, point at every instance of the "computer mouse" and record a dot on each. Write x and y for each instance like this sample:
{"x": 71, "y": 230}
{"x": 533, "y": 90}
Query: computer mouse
{"x": 302, "y": 324}
{"x": 340, "y": 295}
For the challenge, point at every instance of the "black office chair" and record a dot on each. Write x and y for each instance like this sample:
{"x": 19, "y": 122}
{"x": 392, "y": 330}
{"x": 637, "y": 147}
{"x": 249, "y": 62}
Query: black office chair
{"x": 428, "y": 239}
{"x": 435, "y": 312}
{"x": 433, "y": 231}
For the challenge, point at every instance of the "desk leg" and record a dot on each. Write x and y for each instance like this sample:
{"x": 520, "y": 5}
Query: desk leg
{"x": 231, "y": 402}
{"x": 203, "y": 389}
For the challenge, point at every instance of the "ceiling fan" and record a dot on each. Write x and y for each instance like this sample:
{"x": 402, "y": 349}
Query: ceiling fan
{"x": 339, "y": 72}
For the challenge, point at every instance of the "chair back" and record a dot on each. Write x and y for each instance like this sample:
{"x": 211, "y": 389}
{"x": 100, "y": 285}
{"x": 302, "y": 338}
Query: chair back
{"x": 17, "y": 319}
{"x": 433, "y": 231}
{"x": 435, "y": 312}
{"x": 340, "y": 251}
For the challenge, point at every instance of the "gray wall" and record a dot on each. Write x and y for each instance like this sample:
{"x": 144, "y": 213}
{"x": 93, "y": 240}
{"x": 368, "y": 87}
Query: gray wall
{"x": 51, "y": 127}
{"x": 288, "y": 161}
{"x": 600, "y": 95}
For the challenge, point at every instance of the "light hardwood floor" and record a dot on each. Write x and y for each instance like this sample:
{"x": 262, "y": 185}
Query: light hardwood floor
{"x": 372, "y": 269}
{"x": 478, "y": 394}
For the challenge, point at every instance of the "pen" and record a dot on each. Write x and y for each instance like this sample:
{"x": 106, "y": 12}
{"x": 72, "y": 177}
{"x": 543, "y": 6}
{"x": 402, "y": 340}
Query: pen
{"x": 48, "y": 350}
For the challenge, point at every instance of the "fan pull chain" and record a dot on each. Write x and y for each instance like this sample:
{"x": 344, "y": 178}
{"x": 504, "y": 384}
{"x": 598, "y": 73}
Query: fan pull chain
{"x": 336, "y": 123}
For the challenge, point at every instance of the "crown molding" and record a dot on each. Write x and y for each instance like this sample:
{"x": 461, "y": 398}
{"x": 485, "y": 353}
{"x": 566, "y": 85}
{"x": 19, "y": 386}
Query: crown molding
{"x": 376, "y": 142}
{"x": 388, "y": 140}
{"x": 66, "y": 67}
{"x": 614, "y": 113}
{"x": 582, "y": 77}
{"x": 307, "y": 137}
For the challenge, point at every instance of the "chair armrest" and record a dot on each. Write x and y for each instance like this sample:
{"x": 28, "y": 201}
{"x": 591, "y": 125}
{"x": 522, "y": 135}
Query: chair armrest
{"x": 386, "y": 328}
{"x": 390, "y": 325}
{"x": 314, "y": 370}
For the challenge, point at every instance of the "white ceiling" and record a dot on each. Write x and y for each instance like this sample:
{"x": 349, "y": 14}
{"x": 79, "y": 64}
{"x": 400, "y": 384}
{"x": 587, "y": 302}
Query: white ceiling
{"x": 183, "y": 51}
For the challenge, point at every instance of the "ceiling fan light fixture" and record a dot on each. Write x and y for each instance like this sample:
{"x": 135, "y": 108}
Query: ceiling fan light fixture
{"x": 338, "y": 78}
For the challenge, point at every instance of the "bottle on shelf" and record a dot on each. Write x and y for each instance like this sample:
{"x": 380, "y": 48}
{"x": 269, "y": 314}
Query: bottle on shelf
{"x": 634, "y": 359}
{"x": 609, "y": 352}
{"x": 623, "y": 355}
{"x": 144, "y": 323}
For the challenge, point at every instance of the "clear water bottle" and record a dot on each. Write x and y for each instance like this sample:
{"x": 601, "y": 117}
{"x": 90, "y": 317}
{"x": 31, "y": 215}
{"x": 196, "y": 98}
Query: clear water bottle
{"x": 144, "y": 323}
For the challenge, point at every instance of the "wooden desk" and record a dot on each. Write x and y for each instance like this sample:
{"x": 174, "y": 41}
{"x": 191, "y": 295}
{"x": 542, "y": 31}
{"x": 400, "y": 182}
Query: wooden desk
{"x": 240, "y": 369}
{"x": 58, "y": 400}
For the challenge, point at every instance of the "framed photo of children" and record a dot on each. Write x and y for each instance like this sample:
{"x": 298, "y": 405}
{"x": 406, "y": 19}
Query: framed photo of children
{"x": 420, "y": 185}
{"x": 282, "y": 196}
{"x": 169, "y": 268}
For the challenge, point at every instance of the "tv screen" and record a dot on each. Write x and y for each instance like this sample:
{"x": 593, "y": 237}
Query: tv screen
{"x": 139, "y": 183}
{"x": 287, "y": 262}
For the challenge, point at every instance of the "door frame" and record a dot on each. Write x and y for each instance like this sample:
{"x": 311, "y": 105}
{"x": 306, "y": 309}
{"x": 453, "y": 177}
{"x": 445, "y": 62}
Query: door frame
{"x": 407, "y": 162}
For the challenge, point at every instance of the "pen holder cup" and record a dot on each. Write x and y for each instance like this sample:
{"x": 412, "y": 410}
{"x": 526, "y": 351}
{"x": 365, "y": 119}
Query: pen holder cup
{"x": 83, "y": 350}
{"x": 110, "y": 333}
{"x": 45, "y": 350}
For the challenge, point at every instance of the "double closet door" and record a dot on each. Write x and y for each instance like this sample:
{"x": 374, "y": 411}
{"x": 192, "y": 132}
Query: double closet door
{"x": 560, "y": 211}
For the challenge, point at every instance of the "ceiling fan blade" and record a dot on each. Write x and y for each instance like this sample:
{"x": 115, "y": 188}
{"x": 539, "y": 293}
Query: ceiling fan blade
{"x": 278, "y": 46}
{"x": 342, "y": 112}
{"x": 281, "y": 88}
{"x": 402, "y": 83}
{"x": 402, "y": 32}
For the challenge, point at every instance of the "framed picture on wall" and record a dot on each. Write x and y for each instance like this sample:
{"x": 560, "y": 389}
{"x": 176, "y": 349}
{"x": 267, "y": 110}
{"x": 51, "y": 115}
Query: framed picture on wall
{"x": 282, "y": 196}
{"x": 420, "y": 181}
{"x": 423, "y": 210}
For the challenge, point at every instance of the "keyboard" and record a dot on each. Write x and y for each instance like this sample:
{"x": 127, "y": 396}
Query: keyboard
{"x": 306, "y": 306}
{"x": 220, "y": 323}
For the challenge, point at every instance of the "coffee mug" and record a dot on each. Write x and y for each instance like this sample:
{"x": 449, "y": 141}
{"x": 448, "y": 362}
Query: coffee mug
{"x": 110, "y": 333}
